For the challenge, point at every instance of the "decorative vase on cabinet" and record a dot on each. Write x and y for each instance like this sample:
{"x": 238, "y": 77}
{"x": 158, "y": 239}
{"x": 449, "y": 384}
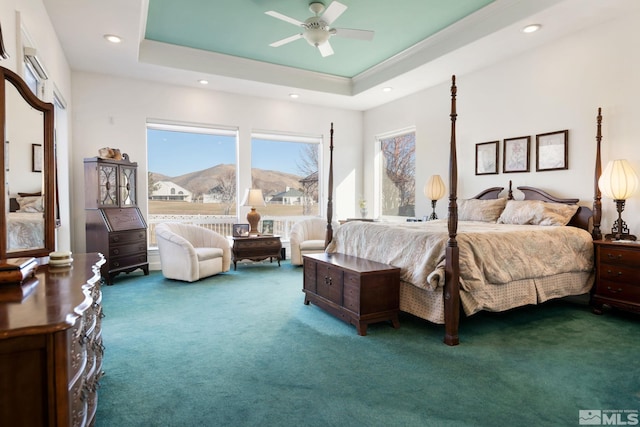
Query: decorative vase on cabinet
{"x": 114, "y": 225}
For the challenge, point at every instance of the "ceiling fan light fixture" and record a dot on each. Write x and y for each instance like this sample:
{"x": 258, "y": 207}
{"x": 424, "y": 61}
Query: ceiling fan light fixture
{"x": 316, "y": 36}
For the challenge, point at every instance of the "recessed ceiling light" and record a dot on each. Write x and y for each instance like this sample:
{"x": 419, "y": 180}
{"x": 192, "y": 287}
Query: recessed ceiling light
{"x": 112, "y": 38}
{"x": 294, "y": 95}
{"x": 531, "y": 28}
{"x": 203, "y": 82}
{"x": 387, "y": 89}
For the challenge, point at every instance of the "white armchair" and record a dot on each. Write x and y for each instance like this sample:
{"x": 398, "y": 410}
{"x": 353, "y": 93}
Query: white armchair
{"x": 190, "y": 253}
{"x": 307, "y": 237}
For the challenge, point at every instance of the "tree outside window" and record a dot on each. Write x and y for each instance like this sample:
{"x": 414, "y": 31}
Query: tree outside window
{"x": 398, "y": 181}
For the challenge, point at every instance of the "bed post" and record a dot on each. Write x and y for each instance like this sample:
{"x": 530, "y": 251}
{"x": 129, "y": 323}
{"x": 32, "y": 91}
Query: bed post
{"x": 597, "y": 204}
{"x": 452, "y": 266}
{"x": 329, "y": 236}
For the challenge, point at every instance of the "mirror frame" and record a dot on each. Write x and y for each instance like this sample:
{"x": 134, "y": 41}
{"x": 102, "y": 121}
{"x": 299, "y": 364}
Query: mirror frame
{"x": 48, "y": 167}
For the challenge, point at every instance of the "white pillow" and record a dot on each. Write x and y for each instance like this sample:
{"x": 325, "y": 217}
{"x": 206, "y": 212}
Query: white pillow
{"x": 30, "y": 204}
{"x": 537, "y": 212}
{"x": 480, "y": 210}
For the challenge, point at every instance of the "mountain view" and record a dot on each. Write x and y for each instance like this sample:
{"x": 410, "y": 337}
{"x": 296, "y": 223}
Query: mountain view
{"x": 201, "y": 182}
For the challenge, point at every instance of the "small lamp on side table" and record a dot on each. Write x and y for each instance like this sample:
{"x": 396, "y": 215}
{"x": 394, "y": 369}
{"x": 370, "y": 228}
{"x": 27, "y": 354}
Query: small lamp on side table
{"x": 434, "y": 190}
{"x": 618, "y": 182}
{"x": 253, "y": 197}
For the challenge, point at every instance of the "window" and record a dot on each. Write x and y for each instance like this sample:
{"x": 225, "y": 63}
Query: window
{"x": 286, "y": 169}
{"x": 396, "y": 181}
{"x": 191, "y": 175}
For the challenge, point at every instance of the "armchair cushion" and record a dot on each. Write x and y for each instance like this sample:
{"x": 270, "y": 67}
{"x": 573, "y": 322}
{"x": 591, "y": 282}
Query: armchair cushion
{"x": 190, "y": 253}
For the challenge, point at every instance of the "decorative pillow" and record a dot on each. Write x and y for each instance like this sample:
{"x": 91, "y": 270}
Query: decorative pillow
{"x": 480, "y": 210}
{"x": 30, "y": 204}
{"x": 537, "y": 212}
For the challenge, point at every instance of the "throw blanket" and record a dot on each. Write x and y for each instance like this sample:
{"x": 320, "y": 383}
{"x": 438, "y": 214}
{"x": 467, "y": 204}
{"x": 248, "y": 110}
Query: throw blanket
{"x": 490, "y": 254}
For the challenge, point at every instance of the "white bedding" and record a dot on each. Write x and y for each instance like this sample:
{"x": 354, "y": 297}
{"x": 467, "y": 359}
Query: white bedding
{"x": 25, "y": 230}
{"x": 529, "y": 263}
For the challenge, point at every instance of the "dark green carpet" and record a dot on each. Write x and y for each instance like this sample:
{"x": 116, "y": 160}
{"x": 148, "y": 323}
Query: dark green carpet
{"x": 241, "y": 349}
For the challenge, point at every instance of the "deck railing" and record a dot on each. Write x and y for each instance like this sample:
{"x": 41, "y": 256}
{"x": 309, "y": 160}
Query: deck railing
{"x": 220, "y": 224}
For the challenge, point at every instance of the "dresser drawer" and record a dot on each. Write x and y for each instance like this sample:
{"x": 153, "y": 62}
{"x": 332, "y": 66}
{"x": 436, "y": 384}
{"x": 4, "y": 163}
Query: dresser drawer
{"x": 619, "y": 290}
{"x": 129, "y": 249}
{"x": 127, "y": 261}
{"x": 619, "y": 256}
{"x": 130, "y": 236}
{"x": 620, "y": 274}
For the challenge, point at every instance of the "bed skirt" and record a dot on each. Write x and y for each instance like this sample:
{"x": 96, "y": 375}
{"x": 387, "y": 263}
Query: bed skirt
{"x": 429, "y": 305}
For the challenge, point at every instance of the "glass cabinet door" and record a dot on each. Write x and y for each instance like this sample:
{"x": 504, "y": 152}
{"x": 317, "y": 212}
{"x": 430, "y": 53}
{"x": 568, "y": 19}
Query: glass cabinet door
{"x": 128, "y": 196}
{"x": 107, "y": 185}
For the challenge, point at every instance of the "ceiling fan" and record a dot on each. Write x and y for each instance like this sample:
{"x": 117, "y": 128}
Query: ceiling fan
{"x": 317, "y": 30}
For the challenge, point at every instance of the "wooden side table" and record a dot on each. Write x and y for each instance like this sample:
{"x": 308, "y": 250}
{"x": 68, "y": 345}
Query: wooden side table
{"x": 617, "y": 276}
{"x": 256, "y": 248}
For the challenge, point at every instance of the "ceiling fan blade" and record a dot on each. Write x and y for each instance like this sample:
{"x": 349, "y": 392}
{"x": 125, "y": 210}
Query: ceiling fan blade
{"x": 354, "y": 34}
{"x": 285, "y": 18}
{"x": 332, "y": 13}
{"x": 325, "y": 49}
{"x": 286, "y": 40}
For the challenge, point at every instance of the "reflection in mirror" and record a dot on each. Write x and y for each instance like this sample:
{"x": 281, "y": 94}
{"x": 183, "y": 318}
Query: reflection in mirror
{"x": 23, "y": 179}
{"x": 27, "y": 196}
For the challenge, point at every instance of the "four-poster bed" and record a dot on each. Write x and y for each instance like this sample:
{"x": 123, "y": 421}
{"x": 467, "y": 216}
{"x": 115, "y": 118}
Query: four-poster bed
{"x": 491, "y": 263}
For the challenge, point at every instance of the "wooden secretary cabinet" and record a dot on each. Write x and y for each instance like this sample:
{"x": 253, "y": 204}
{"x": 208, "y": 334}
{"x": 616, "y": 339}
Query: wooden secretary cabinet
{"x": 114, "y": 224}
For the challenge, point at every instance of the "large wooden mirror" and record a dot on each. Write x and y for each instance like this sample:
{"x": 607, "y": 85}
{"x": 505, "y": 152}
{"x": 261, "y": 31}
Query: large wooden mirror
{"x": 28, "y": 171}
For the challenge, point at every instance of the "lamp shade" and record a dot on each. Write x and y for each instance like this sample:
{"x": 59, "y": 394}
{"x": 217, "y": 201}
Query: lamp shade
{"x": 253, "y": 197}
{"x": 434, "y": 189}
{"x": 618, "y": 180}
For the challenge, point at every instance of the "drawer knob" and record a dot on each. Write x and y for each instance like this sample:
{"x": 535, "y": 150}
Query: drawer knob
{"x": 615, "y": 291}
{"x": 619, "y": 273}
{"x": 327, "y": 281}
{"x": 116, "y": 251}
{"x": 612, "y": 256}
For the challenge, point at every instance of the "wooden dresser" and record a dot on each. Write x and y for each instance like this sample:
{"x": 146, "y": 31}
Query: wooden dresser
{"x": 51, "y": 348}
{"x": 114, "y": 224}
{"x": 256, "y": 248}
{"x": 617, "y": 276}
{"x": 353, "y": 289}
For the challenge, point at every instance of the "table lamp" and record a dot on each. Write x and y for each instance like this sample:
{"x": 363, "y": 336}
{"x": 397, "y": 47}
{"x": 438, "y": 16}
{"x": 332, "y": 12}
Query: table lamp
{"x": 618, "y": 182}
{"x": 434, "y": 190}
{"x": 253, "y": 197}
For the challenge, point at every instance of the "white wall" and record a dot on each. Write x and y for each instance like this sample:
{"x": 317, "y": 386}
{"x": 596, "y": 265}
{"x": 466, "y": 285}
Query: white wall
{"x": 31, "y": 16}
{"x": 554, "y": 87}
{"x": 112, "y": 112}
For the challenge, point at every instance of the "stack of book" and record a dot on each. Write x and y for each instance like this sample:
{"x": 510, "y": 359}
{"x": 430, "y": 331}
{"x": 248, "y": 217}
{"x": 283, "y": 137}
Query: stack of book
{"x": 17, "y": 278}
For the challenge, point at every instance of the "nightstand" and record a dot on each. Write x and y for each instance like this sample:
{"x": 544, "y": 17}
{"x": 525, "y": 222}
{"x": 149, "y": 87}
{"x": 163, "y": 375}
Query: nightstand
{"x": 256, "y": 248}
{"x": 617, "y": 276}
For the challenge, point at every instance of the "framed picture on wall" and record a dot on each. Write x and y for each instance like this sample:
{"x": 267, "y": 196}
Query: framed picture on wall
{"x": 516, "y": 154}
{"x": 552, "y": 151}
{"x": 36, "y": 157}
{"x": 240, "y": 230}
{"x": 487, "y": 158}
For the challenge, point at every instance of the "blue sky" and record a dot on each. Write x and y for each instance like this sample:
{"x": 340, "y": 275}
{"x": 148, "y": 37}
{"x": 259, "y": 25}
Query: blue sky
{"x": 176, "y": 153}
